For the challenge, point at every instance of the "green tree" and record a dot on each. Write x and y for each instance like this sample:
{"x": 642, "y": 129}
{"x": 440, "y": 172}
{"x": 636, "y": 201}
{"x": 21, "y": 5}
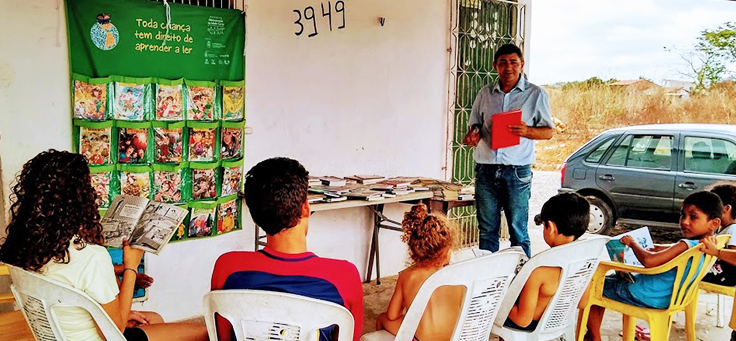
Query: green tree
{"x": 709, "y": 61}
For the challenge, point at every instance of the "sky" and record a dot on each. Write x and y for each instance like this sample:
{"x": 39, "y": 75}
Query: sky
{"x": 623, "y": 39}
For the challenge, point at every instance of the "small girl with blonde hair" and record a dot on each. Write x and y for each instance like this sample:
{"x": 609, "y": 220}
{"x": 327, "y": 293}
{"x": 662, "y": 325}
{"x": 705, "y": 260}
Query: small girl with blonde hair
{"x": 431, "y": 239}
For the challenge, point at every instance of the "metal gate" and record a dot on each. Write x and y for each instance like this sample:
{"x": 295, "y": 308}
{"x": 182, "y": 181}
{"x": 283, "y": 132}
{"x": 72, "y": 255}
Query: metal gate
{"x": 478, "y": 28}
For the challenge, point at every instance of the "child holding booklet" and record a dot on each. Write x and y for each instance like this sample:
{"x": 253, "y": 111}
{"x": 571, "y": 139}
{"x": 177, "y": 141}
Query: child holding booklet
{"x": 55, "y": 230}
{"x": 700, "y": 217}
{"x": 431, "y": 239}
{"x": 565, "y": 218}
{"x": 722, "y": 272}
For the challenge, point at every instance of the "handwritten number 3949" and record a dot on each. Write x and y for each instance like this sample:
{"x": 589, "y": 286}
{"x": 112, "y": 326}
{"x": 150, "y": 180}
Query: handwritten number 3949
{"x": 309, "y": 15}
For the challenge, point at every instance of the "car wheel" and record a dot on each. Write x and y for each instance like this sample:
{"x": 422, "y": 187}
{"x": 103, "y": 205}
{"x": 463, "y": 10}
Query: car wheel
{"x": 601, "y": 216}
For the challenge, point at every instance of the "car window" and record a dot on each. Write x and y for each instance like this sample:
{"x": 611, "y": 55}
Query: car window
{"x": 709, "y": 155}
{"x": 643, "y": 151}
{"x": 618, "y": 157}
{"x": 596, "y": 155}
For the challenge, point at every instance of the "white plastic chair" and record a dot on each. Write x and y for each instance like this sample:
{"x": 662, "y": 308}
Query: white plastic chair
{"x": 578, "y": 261}
{"x": 485, "y": 278}
{"x": 269, "y": 315}
{"x": 37, "y": 295}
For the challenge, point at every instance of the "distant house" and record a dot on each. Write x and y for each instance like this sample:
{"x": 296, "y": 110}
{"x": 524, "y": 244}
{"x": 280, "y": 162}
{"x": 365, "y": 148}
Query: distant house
{"x": 639, "y": 86}
{"x": 678, "y": 89}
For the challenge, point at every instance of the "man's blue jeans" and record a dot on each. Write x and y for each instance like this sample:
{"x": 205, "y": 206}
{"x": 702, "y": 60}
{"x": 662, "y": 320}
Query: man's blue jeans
{"x": 503, "y": 187}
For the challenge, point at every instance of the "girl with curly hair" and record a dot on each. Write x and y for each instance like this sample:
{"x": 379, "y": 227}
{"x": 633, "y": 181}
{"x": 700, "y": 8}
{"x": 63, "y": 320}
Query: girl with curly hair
{"x": 431, "y": 239}
{"x": 55, "y": 230}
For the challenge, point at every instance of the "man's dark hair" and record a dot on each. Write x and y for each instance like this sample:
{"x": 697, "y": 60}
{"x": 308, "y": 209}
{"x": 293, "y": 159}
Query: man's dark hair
{"x": 275, "y": 190}
{"x": 569, "y": 211}
{"x": 727, "y": 193}
{"x": 707, "y": 202}
{"x": 508, "y": 49}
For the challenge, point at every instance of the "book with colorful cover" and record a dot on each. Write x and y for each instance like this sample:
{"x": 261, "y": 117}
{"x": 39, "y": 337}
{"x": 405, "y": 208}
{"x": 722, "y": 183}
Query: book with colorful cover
{"x": 621, "y": 253}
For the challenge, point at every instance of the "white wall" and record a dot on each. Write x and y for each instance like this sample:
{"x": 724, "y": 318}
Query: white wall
{"x": 365, "y": 99}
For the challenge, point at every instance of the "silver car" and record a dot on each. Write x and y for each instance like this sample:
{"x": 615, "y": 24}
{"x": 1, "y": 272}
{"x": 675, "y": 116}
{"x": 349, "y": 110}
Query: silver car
{"x": 640, "y": 175}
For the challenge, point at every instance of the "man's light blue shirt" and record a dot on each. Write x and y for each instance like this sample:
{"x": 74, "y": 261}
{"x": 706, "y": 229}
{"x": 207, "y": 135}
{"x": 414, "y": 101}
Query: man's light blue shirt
{"x": 534, "y": 105}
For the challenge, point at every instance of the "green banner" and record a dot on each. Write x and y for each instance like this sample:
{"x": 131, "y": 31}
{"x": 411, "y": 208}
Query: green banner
{"x": 134, "y": 38}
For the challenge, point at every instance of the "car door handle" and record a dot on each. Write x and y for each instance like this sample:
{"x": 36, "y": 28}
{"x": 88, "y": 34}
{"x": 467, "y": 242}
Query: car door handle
{"x": 607, "y": 177}
{"x": 688, "y": 186}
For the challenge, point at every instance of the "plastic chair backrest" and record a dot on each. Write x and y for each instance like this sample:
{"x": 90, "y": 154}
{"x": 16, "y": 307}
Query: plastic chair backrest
{"x": 37, "y": 295}
{"x": 485, "y": 279}
{"x": 578, "y": 261}
{"x": 270, "y": 315}
{"x": 686, "y": 284}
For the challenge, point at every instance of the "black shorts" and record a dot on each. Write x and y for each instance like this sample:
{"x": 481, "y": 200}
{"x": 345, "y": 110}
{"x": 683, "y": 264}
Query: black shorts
{"x": 135, "y": 334}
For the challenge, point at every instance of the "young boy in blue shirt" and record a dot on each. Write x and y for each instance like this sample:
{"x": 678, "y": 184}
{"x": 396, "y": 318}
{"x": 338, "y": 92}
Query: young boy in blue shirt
{"x": 700, "y": 217}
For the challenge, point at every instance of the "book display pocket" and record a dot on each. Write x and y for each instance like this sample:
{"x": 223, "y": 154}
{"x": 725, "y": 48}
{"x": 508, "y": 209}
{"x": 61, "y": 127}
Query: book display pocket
{"x": 231, "y": 143}
{"x": 95, "y": 141}
{"x": 228, "y": 214}
{"x": 182, "y": 230}
{"x": 169, "y": 104}
{"x": 132, "y": 98}
{"x": 233, "y": 100}
{"x": 204, "y": 141}
{"x": 168, "y": 183}
{"x": 134, "y": 143}
{"x": 91, "y": 98}
{"x": 202, "y": 219}
{"x": 202, "y": 102}
{"x": 135, "y": 180}
{"x": 232, "y": 177}
{"x": 168, "y": 141}
{"x": 105, "y": 184}
{"x": 205, "y": 181}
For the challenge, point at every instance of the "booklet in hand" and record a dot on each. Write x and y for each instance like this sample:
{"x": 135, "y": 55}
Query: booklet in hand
{"x": 501, "y": 137}
{"x": 624, "y": 254}
{"x": 145, "y": 224}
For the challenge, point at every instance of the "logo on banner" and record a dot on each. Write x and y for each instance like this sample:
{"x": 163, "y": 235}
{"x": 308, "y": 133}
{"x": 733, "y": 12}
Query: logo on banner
{"x": 103, "y": 33}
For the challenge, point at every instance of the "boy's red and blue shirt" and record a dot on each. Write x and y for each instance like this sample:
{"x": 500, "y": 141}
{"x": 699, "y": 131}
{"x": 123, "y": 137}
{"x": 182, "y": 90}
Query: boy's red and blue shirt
{"x": 303, "y": 274}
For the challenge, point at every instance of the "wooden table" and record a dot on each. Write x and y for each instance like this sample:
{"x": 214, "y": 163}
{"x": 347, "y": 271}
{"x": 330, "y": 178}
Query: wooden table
{"x": 379, "y": 221}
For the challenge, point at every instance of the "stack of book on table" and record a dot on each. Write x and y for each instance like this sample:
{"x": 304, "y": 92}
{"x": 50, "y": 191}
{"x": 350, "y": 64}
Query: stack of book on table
{"x": 365, "y": 194}
{"x": 466, "y": 193}
{"x": 396, "y": 186}
{"x": 366, "y": 179}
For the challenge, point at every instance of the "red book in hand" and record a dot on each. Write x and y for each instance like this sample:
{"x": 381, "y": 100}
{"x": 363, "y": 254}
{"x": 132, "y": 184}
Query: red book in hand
{"x": 501, "y": 137}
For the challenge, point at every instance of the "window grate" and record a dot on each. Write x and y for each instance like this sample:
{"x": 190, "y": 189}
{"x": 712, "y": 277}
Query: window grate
{"x": 228, "y": 4}
{"x": 479, "y": 27}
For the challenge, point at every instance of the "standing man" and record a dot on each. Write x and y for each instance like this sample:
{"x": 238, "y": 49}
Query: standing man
{"x": 503, "y": 177}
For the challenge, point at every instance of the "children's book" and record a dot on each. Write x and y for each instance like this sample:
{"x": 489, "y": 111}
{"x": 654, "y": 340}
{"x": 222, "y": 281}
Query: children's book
{"x": 90, "y": 100}
{"x": 201, "y": 222}
{"x": 621, "y": 253}
{"x": 167, "y": 186}
{"x": 133, "y": 144}
{"x": 168, "y": 145}
{"x": 129, "y": 101}
{"x": 94, "y": 145}
{"x": 231, "y": 180}
{"x": 201, "y": 144}
{"x": 169, "y": 103}
{"x": 146, "y": 224}
{"x": 232, "y": 139}
{"x": 135, "y": 184}
{"x": 501, "y": 137}
{"x": 101, "y": 184}
{"x": 203, "y": 184}
{"x": 232, "y": 103}
{"x": 200, "y": 103}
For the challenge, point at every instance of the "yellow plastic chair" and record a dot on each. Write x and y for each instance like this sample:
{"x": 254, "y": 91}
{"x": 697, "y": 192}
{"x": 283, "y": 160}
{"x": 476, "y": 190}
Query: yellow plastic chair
{"x": 684, "y": 295}
{"x": 721, "y": 291}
